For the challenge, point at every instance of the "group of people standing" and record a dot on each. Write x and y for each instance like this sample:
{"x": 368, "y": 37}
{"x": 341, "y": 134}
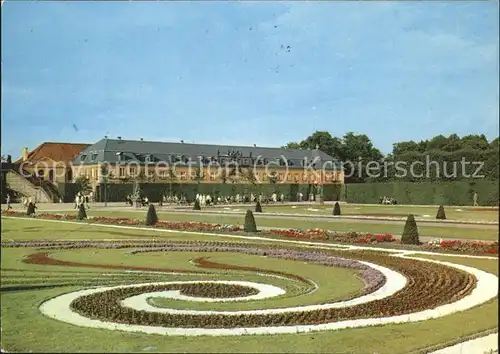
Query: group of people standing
{"x": 82, "y": 198}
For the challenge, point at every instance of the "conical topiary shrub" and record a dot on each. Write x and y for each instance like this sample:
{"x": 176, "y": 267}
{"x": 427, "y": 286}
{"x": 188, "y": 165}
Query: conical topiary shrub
{"x": 250, "y": 225}
{"x": 31, "y": 209}
{"x": 410, "y": 232}
{"x": 82, "y": 214}
{"x": 196, "y": 205}
{"x": 151, "y": 217}
{"x": 441, "y": 214}
{"x": 258, "y": 207}
{"x": 336, "y": 209}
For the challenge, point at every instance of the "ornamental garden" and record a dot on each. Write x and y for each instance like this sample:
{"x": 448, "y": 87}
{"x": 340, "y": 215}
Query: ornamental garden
{"x": 88, "y": 281}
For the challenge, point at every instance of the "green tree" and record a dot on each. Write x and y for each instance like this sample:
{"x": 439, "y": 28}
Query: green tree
{"x": 403, "y": 147}
{"x": 291, "y": 145}
{"x": 83, "y": 185}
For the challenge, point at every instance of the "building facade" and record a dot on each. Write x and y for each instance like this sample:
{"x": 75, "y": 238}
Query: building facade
{"x": 117, "y": 160}
{"x": 50, "y": 161}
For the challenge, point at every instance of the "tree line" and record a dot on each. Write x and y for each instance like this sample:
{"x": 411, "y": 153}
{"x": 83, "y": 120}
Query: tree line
{"x": 437, "y": 159}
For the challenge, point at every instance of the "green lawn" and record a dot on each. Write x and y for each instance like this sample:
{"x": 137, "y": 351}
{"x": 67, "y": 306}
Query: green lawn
{"x": 475, "y": 232}
{"x": 25, "y": 329}
{"x": 423, "y": 212}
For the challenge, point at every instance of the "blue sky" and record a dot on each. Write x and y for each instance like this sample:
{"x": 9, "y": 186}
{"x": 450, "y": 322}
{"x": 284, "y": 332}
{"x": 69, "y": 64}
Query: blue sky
{"x": 215, "y": 72}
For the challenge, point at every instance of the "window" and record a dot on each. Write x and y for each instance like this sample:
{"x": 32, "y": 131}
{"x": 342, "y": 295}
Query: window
{"x": 122, "y": 171}
{"x": 163, "y": 174}
{"x": 94, "y": 156}
{"x": 304, "y": 177}
{"x": 289, "y": 177}
{"x": 183, "y": 175}
{"x": 132, "y": 171}
{"x": 147, "y": 158}
{"x": 280, "y": 176}
{"x": 213, "y": 176}
{"x": 83, "y": 157}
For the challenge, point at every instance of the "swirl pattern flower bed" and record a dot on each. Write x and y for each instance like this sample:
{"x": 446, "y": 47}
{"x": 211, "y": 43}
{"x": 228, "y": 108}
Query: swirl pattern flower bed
{"x": 400, "y": 290}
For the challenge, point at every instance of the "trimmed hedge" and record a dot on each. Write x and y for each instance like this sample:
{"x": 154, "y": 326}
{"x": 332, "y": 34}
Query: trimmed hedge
{"x": 116, "y": 192}
{"x": 67, "y": 191}
{"x": 441, "y": 215}
{"x": 410, "y": 232}
{"x": 425, "y": 193}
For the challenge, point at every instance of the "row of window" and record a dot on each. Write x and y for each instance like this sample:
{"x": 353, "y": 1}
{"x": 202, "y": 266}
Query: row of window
{"x": 244, "y": 161}
{"x": 214, "y": 175}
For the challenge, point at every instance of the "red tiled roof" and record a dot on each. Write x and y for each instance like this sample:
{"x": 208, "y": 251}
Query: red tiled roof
{"x": 63, "y": 152}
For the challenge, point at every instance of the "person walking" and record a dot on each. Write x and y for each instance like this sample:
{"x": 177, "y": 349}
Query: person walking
{"x": 8, "y": 202}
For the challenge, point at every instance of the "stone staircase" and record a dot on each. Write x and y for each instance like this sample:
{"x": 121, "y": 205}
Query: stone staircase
{"x": 34, "y": 188}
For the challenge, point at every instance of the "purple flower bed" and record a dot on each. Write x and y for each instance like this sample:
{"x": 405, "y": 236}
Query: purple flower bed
{"x": 373, "y": 279}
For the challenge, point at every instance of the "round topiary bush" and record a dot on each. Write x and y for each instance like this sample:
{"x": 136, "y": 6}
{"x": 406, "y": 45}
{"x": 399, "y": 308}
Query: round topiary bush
{"x": 196, "y": 205}
{"x": 336, "y": 209}
{"x": 151, "y": 216}
{"x": 410, "y": 232}
{"x": 250, "y": 225}
{"x": 82, "y": 214}
{"x": 258, "y": 207}
{"x": 440, "y": 213}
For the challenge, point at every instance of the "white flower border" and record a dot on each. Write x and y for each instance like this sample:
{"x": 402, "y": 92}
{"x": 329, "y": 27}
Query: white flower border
{"x": 486, "y": 289}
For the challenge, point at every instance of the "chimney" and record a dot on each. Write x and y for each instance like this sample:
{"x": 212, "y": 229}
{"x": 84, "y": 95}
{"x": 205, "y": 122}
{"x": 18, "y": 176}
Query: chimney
{"x": 25, "y": 154}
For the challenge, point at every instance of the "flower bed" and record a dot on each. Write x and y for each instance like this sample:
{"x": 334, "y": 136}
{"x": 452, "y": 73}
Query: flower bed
{"x": 311, "y": 234}
{"x": 429, "y": 285}
{"x": 464, "y": 246}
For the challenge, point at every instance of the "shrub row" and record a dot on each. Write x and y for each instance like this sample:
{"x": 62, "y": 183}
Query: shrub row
{"x": 425, "y": 193}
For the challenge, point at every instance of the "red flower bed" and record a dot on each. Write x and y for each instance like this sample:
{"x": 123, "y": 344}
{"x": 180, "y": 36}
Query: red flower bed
{"x": 313, "y": 234}
{"x": 470, "y": 246}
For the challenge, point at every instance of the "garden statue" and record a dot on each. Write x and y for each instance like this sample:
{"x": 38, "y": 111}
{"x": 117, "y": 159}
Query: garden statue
{"x": 474, "y": 197}
{"x": 136, "y": 197}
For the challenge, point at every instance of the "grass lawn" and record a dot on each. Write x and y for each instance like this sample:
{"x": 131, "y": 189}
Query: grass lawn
{"x": 475, "y": 232}
{"x": 24, "y": 328}
{"x": 424, "y": 212}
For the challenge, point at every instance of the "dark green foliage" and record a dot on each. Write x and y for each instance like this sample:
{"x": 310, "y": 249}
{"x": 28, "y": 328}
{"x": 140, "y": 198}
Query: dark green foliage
{"x": 151, "y": 217}
{"x": 441, "y": 214}
{"x": 250, "y": 225}
{"x": 196, "y": 205}
{"x": 258, "y": 207}
{"x": 82, "y": 214}
{"x": 336, "y": 209}
{"x": 425, "y": 193}
{"x": 410, "y": 232}
{"x": 31, "y": 209}
{"x": 116, "y": 192}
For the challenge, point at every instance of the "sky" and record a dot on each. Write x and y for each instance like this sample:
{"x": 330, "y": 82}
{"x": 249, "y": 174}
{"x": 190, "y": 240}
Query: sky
{"x": 245, "y": 72}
